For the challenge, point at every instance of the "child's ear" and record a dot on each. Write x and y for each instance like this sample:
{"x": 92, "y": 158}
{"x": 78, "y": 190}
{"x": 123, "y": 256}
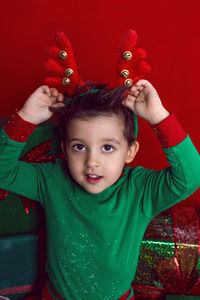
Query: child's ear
{"x": 132, "y": 151}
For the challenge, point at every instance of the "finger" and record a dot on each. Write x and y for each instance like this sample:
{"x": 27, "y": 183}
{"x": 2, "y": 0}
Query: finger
{"x": 133, "y": 88}
{"x": 140, "y": 88}
{"x": 54, "y": 92}
{"x": 57, "y": 105}
{"x": 129, "y": 102}
{"x": 135, "y": 94}
{"x": 137, "y": 87}
{"x": 60, "y": 97}
{"x": 134, "y": 91}
{"x": 44, "y": 89}
{"x": 142, "y": 82}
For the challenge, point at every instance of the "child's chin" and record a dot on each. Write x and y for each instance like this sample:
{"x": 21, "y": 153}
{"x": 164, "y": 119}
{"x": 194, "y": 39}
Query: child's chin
{"x": 94, "y": 189}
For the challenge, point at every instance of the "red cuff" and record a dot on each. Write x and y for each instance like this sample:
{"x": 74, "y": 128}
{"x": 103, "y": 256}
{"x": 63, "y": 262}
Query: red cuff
{"x": 169, "y": 132}
{"x": 18, "y": 129}
{"x": 125, "y": 296}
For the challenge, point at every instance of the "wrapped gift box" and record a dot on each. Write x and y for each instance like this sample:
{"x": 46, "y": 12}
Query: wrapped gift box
{"x": 169, "y": 264}
{"x": 21, "y": 265}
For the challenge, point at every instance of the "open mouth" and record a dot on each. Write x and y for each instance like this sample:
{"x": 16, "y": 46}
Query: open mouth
{"x": 92, "y": 178}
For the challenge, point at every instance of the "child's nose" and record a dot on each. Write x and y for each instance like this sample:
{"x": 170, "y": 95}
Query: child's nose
{"x": 92, "y": 159}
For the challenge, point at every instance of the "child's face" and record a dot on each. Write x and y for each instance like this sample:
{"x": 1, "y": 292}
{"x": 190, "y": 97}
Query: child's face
{"x": 96, "y": 151}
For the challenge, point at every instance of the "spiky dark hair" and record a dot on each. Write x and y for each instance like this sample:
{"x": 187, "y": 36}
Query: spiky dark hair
{"x": 93, "y": 100}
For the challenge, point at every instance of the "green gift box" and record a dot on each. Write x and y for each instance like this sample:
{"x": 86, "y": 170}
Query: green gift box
{"x": 21, "y": 267}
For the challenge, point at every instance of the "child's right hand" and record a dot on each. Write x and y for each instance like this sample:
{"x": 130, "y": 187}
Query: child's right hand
{"x": 144, "y": 101}
{"x": 36, "y": 108}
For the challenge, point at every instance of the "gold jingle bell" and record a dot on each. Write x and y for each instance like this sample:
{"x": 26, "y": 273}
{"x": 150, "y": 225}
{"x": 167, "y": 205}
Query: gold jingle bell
{"x": 124, "y": 73}
{"x": 66, "y": 81}
{"x": 128, "y": 83}
{"x": 69, "y": 72}
{"x": 127, "y": 55}
{"x": 62, "y": 54}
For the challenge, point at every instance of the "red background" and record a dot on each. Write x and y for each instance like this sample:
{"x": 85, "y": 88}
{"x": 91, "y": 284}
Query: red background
{"x": 168, "y": 30}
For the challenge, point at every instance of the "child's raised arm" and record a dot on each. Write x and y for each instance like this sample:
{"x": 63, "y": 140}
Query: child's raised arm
{"x": 178, "y": 181}
{"x": 36, "y": 108}
{"x": 15, "y": 175}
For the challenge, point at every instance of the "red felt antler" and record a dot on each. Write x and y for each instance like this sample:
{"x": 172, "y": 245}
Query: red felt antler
{"x": 62, "y": 66}
{"x": 131, "y": 65}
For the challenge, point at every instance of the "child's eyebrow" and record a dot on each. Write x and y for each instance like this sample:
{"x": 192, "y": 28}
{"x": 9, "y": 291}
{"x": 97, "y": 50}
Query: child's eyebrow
{"x": 104, "y": 140}
{"x": 75, "y": 140}
{"x": 111, "y": 140}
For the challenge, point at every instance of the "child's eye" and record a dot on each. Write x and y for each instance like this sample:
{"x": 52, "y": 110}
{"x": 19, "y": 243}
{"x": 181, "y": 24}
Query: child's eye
{"x": 78, "y": 147}
{"x": 108, "y": 148}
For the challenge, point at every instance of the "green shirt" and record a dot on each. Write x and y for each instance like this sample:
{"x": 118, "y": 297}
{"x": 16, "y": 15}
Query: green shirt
{"x": 93, "y": 240}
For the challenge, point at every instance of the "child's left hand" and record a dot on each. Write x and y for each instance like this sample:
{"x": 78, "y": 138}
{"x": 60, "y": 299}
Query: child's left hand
{"x": 144, "y": 101}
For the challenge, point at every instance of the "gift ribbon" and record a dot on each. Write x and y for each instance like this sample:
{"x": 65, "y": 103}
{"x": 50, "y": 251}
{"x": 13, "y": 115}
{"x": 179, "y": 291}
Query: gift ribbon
{"x": 178, "y": 274}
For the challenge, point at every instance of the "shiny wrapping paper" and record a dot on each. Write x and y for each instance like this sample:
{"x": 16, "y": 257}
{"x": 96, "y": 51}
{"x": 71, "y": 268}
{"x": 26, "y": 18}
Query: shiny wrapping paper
{"x": 169, "y": 257}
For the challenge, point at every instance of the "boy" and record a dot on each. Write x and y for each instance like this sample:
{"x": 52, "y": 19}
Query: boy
{"x": 96, "y": 217}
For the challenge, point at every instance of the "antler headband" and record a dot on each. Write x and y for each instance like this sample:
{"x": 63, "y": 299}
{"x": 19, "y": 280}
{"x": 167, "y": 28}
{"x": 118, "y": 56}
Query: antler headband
{"x": 61, "y": 64}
